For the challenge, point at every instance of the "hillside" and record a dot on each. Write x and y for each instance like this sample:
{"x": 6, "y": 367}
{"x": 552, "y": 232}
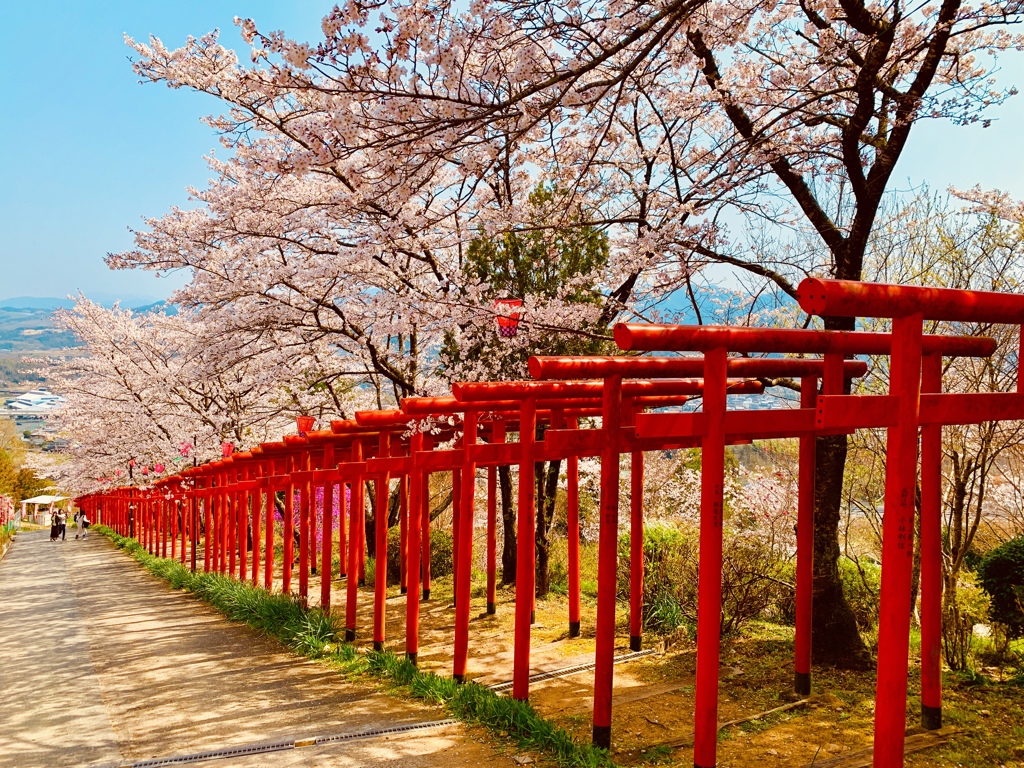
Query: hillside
{"x": 30, "y": 329}
{"x": 26, "y": 328}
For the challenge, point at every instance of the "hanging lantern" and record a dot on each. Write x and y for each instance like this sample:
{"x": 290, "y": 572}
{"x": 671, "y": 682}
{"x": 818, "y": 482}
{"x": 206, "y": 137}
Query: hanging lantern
{"x": 304, "y": 424}
{"x": 158, "y": 468}
{"x": 226, "y": 449}
{"x": 507, "y": 316}
{"x": 145, "y": 470}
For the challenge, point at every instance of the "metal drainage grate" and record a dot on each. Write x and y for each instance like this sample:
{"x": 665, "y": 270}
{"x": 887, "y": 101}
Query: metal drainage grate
{"x": 250, "y": 749}
{"x": 384, "y": 731}
{"x": 566, "y": 671}
{"x": 280, "y": 746}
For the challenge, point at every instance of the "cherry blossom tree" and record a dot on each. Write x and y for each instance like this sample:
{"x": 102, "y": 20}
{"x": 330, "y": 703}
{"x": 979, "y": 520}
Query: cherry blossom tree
{"x": 927, "y": 240}
{"x": 696, "y": 132}
{"x": 152, "y": 388}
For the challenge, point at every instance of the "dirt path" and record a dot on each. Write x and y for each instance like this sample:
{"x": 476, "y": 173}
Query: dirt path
{"x": 102, "y": 664}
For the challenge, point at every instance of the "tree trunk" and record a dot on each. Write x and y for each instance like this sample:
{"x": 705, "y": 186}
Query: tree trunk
{"x": 915, "y": 573}
{"x": 955, "y": 634}
{"x": 546, "y": 476}
{"x": 370, "y": 514}
{"x": 835, "y": 639}
{"x": 508, "y": 528}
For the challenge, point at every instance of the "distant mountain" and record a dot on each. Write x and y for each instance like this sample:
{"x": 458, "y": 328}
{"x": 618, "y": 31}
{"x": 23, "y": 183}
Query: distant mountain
{"x": 35, "y": 302}
{"x": 126, "y": 299}
{"x": 26, "y": 324}
{"x": 143, "y": 302}
{"x": 156, "y": 306}
{"x": 28, "y": 329}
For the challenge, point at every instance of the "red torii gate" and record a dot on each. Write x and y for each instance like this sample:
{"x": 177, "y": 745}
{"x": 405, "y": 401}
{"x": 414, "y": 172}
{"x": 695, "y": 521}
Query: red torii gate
{"x": 711, "y": 429}
{"x": 463, "y": 461}
{"x": 801, "y": 422}
{"x": 715, "y": 368}
{"x": 914, "y": 402}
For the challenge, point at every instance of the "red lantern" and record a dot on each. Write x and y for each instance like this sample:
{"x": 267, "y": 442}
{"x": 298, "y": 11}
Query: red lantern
{"x": 507, "y": 316}
{"x": 145, "y": 470}
{"x": 304, "y": 424}
{"x": 158, "y": 468}
{"x": 226, "y": 449}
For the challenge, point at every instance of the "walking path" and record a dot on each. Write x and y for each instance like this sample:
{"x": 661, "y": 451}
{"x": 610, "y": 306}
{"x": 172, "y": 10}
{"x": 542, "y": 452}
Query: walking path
{"x": 102, "y": 664}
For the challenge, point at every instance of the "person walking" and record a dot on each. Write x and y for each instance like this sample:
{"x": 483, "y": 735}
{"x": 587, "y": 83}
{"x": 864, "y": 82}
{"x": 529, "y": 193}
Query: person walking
{"x": 83, "y": 524}
{"x": 54, "y": 526}
{"x": 62, "y": 518}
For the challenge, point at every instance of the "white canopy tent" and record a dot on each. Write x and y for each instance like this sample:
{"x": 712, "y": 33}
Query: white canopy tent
{"x": 38, "y": 501}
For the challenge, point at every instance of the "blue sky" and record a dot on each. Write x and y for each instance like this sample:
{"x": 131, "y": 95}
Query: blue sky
{"x": 86, "y": 152}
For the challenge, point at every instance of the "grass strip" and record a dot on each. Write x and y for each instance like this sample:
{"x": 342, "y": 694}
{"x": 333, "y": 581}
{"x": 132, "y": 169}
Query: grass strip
{"x": 312, "y": 633}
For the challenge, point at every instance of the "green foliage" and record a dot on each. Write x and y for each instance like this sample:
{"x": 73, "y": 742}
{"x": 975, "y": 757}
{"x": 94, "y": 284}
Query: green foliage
{"x": 8, "y": 474}
{"x": 29, "y": 484}
{"x": 962, "y": 607}
{"x": 752, "y": 577}
{"x": 473, "y": 703}
{"x": 1001, "y": 575}
{"x": 442, "y": 552}
{"x": 666, "y": 547}
{"x": 861, "y": 584}
{"x": 542, "y": 262}
{"x": 16, "y": 480}
{"x": 442, "y": 549}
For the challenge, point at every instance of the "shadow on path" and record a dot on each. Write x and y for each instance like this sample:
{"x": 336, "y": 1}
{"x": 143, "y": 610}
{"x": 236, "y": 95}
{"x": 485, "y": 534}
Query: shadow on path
{"x": 102, "y": 662}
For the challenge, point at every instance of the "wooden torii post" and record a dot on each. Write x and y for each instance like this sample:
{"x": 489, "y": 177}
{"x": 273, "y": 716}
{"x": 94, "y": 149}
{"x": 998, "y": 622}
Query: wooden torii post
{"x": 712, "y": 438}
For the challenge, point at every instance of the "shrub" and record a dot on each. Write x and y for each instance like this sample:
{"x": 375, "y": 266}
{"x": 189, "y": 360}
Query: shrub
{"x": 1001, "y": 575}
{"x": 860, "y": 586}
{"x": 669, "y": 552}
{"x": 962, "y": 608}
{"x": 442, "y": 549}
{"x": 752, "y": 576}
{"x": 861, "y": 583}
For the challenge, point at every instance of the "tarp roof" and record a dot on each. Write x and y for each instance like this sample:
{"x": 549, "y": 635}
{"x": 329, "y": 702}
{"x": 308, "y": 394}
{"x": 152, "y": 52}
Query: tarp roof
{"x": 45, "y": 499}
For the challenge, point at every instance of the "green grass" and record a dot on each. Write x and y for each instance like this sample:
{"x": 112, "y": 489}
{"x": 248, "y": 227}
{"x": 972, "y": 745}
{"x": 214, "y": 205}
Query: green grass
{"x": 473, "y": 703}
{"x": 306, "y": 631}
{"x": 312, "y": 633}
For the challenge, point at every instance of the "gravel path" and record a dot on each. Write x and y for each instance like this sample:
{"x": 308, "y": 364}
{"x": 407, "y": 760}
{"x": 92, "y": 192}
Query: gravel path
{"x": 102, "y": 664}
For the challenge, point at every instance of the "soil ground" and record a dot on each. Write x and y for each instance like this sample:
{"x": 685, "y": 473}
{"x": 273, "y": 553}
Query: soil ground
{"x": 654, "y": 696}
{"x": 653, "y": 704}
